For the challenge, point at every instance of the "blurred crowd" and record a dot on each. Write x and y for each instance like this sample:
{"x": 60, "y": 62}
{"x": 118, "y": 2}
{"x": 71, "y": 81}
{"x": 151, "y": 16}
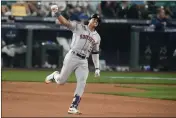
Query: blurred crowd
{"x": 13, "y": 41}
{"x": 80, "y": 10}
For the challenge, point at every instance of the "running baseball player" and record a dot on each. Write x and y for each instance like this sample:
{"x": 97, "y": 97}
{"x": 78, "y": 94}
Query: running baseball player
{"x": 85, "y": 41}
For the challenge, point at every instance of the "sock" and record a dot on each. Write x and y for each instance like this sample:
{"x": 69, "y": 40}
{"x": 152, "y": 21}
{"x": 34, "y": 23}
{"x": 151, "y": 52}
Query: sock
{"x": 76, "y": 101}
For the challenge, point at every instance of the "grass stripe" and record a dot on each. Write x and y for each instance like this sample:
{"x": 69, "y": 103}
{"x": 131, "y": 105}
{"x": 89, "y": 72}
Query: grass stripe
{"x": 156, "y": 92}
{"x": 39, "y": 76}
{"x": 154, "y": 95}
{"x": 141, "y": 77}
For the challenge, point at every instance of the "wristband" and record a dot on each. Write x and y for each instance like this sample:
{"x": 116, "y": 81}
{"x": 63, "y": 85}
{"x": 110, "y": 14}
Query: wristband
{"x": 57, "y": 14}
{"x": 96, "y": 68}
{"x": 96, "y": 52}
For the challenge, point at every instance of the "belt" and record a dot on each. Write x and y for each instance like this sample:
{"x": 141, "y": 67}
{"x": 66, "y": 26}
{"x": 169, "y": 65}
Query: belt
{"x": 79, "y": 55}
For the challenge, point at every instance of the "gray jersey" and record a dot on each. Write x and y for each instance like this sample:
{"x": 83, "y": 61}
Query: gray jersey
{"x": 84, "y": 41}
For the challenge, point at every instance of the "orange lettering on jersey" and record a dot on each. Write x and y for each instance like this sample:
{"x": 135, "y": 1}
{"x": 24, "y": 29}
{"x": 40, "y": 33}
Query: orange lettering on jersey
{"x": 87, "y": 37}
{"x": 81, "y": 36}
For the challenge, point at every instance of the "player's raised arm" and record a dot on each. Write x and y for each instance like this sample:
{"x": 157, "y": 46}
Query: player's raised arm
{"x": 95, "y": 59}
{"x": 62, "y": 20}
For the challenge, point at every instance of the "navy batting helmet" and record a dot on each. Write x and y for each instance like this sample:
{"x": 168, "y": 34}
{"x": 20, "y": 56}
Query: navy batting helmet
{"x": 97, "y": 17}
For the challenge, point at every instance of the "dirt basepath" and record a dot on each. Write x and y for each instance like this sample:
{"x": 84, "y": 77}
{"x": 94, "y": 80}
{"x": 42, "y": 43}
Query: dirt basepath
{"x": 30, "y": 99}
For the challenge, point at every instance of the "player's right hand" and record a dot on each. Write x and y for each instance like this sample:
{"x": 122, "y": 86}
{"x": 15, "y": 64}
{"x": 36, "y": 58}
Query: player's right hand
{"x": 54, "y": 8}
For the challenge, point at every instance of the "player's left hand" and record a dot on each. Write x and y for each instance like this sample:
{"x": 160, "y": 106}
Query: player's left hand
{"x": 97, "y": 72}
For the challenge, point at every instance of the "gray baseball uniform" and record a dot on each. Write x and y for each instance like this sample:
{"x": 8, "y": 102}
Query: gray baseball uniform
{"x": 83, "y": 43}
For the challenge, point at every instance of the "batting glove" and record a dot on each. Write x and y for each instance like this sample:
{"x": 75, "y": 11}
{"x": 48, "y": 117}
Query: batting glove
{"x": 97, "y": 72}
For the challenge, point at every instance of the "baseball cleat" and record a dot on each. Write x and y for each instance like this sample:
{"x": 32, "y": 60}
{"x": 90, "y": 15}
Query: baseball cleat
{"x": 74, "y": 111}
{"x": 50, "y": 78}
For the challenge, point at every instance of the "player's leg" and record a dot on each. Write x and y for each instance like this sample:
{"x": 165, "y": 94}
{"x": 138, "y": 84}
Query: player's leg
{"x": 67, "y": 68}
{"x": 81, "y": 75}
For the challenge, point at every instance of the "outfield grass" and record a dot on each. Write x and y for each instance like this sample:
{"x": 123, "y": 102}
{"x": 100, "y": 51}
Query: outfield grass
{"x": 39, "y": 76}
{"x": 156, "y": 92}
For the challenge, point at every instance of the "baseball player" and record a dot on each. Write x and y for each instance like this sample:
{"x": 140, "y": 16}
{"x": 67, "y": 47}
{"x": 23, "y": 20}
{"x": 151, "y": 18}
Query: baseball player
{"x": 85, "y": 41}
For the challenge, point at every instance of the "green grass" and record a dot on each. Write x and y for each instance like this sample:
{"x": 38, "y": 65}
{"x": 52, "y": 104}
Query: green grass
{"x": 159, "y": 92}
{"x": 39, "y": 76}
{"x": 152, "y": 88}
{"x": 156, "y": 92}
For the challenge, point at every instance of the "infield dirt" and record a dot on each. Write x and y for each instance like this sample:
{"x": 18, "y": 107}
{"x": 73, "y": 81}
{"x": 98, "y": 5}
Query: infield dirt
{"x": 33, "y": 99}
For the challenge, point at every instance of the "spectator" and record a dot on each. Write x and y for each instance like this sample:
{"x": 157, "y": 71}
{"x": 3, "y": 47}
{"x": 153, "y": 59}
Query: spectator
{"x": 152, "y": 8}
{"x": 144, "y": 12}
{"x": 108, "y": 9}
{"x": 83, "y": 5}
{"x": 127, "y": 10}
{"x": 157, "y": 38}
{"x": 12, "y": 44}
{"x": 123, "y": 8}
{"x": 133, "y": 12}
{"x": 5, "y": 10}
{"x": 34, "y": 9}
{"x": 45, "y": 8}
{"x": 73, "y": 13}
{"x": 94, "y": 7}
{"x": 72, "y": 3}
{"x": 160, "y": 21}
{"x": 5, "y": 7}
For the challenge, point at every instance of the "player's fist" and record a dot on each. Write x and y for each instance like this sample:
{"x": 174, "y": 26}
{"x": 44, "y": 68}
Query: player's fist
{"x": 54, "y": 8}
{"x": 97, "y": 72}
